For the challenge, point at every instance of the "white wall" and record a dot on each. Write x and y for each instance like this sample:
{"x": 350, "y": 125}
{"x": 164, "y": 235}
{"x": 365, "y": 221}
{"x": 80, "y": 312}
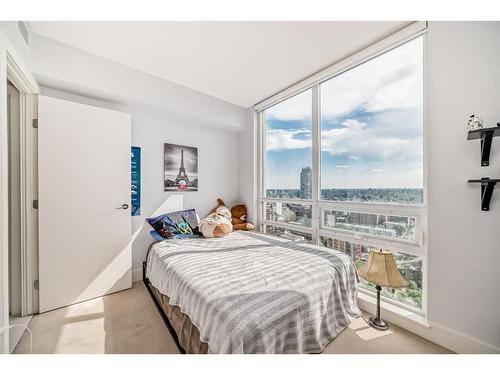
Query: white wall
{"x": 464, "y": 242}
{"x": 11, "y": 32}
{"x": 217, "y": 168}
{"x": 162, "y": 112}
{"x": 61, "y": 66}
{"x": 247, "y": 167}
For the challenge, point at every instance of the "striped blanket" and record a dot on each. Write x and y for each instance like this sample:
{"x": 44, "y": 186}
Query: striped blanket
{"x": 254, "y": 293}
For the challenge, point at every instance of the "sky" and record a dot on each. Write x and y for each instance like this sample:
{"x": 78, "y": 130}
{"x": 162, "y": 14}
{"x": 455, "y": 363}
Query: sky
{"x": 371, "y": 127}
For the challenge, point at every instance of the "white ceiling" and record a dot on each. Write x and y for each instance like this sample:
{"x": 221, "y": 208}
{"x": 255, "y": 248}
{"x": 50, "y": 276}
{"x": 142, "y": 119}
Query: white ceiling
{"x": 239, "y": 62}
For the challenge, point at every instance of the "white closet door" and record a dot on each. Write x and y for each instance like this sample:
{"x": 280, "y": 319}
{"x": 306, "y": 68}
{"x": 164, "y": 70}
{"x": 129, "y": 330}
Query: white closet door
{"x": 84, "y": 202}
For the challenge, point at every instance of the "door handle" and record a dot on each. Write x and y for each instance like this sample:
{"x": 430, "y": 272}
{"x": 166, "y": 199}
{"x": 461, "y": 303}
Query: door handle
{"x": 122, "y": 207}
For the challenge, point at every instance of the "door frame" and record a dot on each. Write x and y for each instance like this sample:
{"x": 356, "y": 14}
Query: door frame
{"x": 28, "y": 186}
{"x": 14, "y": 69}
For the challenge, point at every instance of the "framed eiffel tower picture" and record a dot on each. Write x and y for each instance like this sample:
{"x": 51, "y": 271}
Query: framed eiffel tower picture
{"x": 181, "y": 168}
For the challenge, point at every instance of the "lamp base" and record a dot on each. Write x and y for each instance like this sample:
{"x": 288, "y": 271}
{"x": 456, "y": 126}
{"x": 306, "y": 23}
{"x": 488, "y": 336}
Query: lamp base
{"x": 378, "y": 323}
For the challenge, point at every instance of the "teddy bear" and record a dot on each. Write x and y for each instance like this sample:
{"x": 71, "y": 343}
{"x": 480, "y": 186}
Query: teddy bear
{"x": 218, "y": 222}
{"x": 239, "y": 218}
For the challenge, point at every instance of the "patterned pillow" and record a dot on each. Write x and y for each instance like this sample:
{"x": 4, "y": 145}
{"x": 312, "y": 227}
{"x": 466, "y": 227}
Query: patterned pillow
{"x": 180, "y": 224}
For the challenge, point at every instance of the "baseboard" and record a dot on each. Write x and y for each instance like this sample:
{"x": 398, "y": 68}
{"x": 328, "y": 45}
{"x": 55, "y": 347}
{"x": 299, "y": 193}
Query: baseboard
{"x": 136, "y": 274}
{"x": 459, "y": 342}
{"x": 441, "y": 335}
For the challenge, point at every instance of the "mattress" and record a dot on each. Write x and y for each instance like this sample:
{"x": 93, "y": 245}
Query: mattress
{"x": 254, "y": 293}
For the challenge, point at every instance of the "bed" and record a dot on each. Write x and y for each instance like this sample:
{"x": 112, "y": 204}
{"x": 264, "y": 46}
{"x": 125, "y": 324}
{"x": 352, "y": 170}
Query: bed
{"x": 251, "y": 293}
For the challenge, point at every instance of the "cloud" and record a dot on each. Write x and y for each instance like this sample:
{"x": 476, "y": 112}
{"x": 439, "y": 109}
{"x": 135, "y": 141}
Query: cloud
{"x": 357, "y": 144}
{"x": 283, "y": 139}
{"x": 298, "y": 107}
{"x": 353, "y": 124}
{"x": 393, "y": 80}
{"x": 405, "y": 93}
{"x": 356, "y": 140}
{"x": 360, "y": 144}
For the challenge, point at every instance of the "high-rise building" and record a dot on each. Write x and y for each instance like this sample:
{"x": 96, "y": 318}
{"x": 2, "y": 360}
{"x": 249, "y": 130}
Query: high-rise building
{"x": 306, "y": 183}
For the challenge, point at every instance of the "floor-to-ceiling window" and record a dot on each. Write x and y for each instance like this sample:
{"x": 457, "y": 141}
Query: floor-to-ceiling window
{"x": 342, "y": 164}
{"x": 288, "y": 158}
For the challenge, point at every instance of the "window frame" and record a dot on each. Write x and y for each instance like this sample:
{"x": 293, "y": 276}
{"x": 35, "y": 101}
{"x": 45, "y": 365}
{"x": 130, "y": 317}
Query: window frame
{"x": 419, "y": 211}
{"x": 414, "y": 247}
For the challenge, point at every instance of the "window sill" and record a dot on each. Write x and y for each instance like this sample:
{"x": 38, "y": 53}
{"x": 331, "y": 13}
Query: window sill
{"x": 392, "y": 313}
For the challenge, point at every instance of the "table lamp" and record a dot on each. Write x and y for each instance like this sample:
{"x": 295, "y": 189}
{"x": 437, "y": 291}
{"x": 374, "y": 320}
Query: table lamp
{"x": 381, "y": 270}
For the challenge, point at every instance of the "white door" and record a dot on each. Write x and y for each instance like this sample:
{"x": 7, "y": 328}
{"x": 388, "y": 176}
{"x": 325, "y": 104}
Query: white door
{"x": 84, "y": 200}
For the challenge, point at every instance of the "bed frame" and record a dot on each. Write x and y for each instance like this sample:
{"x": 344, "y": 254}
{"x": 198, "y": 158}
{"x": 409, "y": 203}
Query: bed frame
{"x": 171, "y": 329}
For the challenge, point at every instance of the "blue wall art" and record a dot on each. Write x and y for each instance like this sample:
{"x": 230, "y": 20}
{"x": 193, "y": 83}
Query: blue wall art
{"x": 136, "y": 181}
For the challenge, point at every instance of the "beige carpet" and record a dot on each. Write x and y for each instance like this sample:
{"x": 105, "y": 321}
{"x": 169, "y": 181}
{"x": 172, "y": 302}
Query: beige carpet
{"x": 128, "y": 322}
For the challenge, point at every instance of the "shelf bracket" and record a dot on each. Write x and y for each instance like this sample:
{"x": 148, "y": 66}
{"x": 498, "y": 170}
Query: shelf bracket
{"x": 486, "y": 148}
{"x": 486, "y": 192}
{"x": 487, "y": 187}
{"x": 486, "y": 136}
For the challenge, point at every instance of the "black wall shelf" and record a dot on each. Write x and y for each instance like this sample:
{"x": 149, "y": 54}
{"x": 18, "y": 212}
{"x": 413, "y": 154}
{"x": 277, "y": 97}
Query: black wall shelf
{"x": 485, "y": 135}
{"x": 487, "y": 186}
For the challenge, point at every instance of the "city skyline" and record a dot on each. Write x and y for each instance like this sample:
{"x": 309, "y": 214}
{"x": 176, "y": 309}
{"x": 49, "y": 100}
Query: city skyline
{"x": 389, "y": 195}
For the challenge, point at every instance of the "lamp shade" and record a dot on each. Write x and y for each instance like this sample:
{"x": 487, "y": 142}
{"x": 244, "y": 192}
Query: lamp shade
{"x": 380, "y": 269}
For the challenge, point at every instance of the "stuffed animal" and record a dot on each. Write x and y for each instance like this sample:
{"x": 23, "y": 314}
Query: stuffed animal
{"x": 221, "y": 209}
{"x": 239, "y": 218}
{"x": 218, "y": 222}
